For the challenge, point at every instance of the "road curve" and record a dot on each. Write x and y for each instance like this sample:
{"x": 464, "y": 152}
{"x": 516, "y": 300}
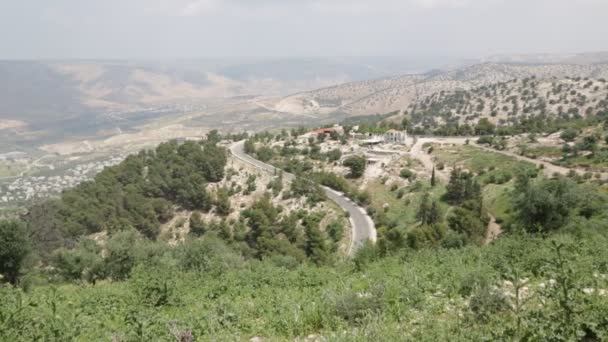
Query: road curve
{"x": 362, "y": 226}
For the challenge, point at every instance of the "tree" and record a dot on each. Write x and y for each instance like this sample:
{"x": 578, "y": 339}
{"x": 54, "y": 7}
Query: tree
{"x": 197, "y": 225}
{"x": 14, "y": 248}
{"x": 464, "y": 221}
{"x": 544, "y": 205}
{"x": 249, "y": 146}
{"x": 222, "y": 202}
{"x": 484, "y": 126}
{"x": 120, "y": 255}
{"x": 433, "y": 180}
{"x": 428, "y": 211}
{"x": 568, "y": 134}
{"x": 461, "y": 187}
{"x": 316, "y": 246}
{"x": 265, "y": 153}
{"x": 357, "y": 166}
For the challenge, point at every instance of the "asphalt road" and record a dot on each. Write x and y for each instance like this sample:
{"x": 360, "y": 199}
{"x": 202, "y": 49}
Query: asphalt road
{"x": 362, "y": 226}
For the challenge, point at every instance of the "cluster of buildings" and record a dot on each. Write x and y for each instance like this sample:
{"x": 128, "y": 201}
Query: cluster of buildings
{"x": 392, "y": 136}
{"x": 31, "y": 187}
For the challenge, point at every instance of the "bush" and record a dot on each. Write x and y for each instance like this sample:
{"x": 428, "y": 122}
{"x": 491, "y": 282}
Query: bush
{"x": 487, "y": 302}
{"x": 83, "y": 262}
{"x": 355, "y": 307}
{"x": 153, "y": 286}
{"x": 569, "y": 134}
{"x": 356, "y": 164}
{"x": 208, "y": 254}
{"x": 14, "y": 247}
{"x": 400, "y": 193}
{"x": 407, "y": 174}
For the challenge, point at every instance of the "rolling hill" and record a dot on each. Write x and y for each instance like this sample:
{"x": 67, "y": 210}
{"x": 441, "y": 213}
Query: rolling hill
{"x": 397, "y": 93}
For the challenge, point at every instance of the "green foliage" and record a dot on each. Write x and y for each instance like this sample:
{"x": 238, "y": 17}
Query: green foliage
{"x": 81, "y": 263}
{"x": 303, "y": 187}
{"x": 197, "y": 225}
{"x": 222, "y": 202}
{"x": 120, "y": 257}
{"x": 356, "y": 164}
{"x": 544, "y": 205}
{"x": 334, "y": 155}
{"x": 316, "y": 246}
{"x": 141, "y": 191}
{"x": 14, "y": 248}
{"x": 407, "y": 174}
{"x": 569, "y": 134}
{"x": 484, "y": 126}
{"x": 264, "y": 153}
{"x": 467, "y": 223}
{"x": 461, "y": 187}
{"x": 428, "y": 211}
{"x": 153, "y": 286}
{"x": 399, "y": 297}
{"x": 276, "y": 184}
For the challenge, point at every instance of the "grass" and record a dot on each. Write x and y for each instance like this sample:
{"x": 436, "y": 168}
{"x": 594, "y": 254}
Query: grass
{"x": 544, "y": 151}
{"x": 402, "y": 212}
{"x": 475, "y": 159}
{"x": 496, "y": 199}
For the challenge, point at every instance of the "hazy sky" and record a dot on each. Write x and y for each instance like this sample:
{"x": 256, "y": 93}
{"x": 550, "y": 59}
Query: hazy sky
{"x": 158, "y": 29}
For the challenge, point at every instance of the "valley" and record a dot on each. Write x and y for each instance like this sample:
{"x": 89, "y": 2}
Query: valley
{"x": 458, "y": 212}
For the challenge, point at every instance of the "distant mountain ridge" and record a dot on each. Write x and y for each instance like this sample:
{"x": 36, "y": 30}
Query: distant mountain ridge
{"x": 397, "y": 93}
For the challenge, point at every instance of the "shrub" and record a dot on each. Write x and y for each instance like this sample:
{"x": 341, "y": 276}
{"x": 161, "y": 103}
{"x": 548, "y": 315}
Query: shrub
{"x": 153, "y": 286}
{"x": 355, "y": 307}
{"x": 356, "y": 164}
{"x": 487, "y": 302}
{"x": 407, "y": 174}
{"x": 14, "y": 247}
{"x": 568, "y": 134}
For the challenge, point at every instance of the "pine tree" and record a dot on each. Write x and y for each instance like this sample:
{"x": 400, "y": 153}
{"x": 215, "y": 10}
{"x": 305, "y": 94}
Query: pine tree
{"x": 316, "y": 246}
{"x": 424, "y": 209}
{"x": 428, "y": 212}
{"x": 433, "y": 180}
{"x": 433, "y": 215}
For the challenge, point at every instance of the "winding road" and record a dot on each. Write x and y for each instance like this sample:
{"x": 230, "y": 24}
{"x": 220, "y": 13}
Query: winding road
{"x": 362, "y": 226}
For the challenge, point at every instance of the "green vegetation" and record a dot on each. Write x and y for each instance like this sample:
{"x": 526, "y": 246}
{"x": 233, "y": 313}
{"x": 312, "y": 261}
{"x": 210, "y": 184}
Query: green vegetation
{"x": 520, "y": 288}
{"x": 14, "y": 247}
{"x": 356, "y": 164}
{"x": 93, "y": 266}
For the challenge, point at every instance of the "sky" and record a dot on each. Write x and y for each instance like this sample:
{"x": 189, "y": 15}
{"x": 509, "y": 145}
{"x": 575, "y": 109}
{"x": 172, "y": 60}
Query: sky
{"x": 169, "y": 29}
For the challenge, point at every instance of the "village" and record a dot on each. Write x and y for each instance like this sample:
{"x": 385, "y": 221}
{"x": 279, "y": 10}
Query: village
{"x": 51, "y": 180}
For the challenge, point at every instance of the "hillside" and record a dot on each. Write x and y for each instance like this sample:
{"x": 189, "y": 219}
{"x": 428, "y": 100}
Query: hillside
{"x": 182, "y": 243}
{"x": 397, "y": 93}
{"x": 508, "y": 103}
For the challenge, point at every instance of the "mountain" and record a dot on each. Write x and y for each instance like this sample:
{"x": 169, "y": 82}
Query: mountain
{"x": 386, "y": 95}
{"x": 510, "y": 102}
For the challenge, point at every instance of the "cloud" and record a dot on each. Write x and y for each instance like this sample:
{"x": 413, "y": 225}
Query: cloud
{"x": 200, "y": 7}
{"x": 443, "y": 3}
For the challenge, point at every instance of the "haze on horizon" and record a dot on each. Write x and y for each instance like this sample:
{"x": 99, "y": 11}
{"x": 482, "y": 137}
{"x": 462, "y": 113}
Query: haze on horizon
{"x": 167, "y": 29}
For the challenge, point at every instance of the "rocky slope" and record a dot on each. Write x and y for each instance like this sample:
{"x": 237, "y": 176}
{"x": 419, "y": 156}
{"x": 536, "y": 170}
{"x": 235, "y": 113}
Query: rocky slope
{"x": 397, "y": 93}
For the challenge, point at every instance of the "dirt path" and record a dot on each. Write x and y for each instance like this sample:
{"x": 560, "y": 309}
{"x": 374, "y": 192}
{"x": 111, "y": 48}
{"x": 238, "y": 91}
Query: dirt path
{"x": 427, "y": 160}
{"x": 494, "y": 230}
